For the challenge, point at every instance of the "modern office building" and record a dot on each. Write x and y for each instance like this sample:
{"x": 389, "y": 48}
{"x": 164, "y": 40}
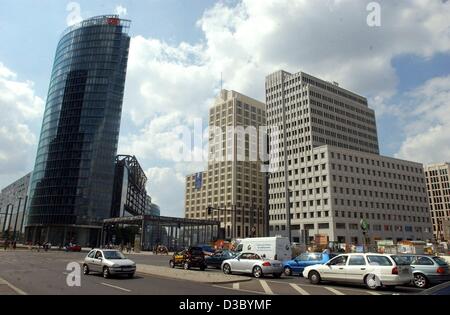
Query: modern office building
{"x": 72, "y": 183}
{"x": 129, "y": 194}
{"x": 152, "y": 208}
{"x": 233, "y": 187}
{"x": 328, "y": 172}
{"x": 438, "y": 186}
{"x": 13, "y": 200}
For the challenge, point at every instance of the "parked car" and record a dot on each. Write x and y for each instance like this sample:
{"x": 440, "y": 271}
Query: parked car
{"x": 296, "y": 265}
{"x": 251, "y": 263}
{"x": 72, "y": 248}
{"x": 219, "y": 257}
{"x": 192, "y": 257}
{"x": 426, "y": 270}
{"x": 108, "y": 262}
{"x": 373, "y": 270}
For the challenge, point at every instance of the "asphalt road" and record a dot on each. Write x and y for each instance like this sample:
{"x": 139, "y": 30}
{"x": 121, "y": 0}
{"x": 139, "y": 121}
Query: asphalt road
{"x": 45, "y": 273}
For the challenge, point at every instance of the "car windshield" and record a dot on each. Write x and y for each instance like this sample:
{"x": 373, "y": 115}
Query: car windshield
{"x": 440, "y": 261}
{"x": 113, "y": 255}
{"x": 402, "y": 260}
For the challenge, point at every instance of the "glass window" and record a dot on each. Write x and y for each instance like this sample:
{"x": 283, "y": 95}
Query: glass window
{"x": 98, "y": 254}
{"x": 357, "y": 261}
{"x": 423, "y": 261}
{"x": 91, "y": 254}
{"x": 378, "y": 260}
{"x": 339, "y": 261}
{"x": 440, "y": 261}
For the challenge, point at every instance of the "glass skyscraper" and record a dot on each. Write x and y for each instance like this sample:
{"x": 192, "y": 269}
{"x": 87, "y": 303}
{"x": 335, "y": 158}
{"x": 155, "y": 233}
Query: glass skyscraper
{"x": 72, "y": 184}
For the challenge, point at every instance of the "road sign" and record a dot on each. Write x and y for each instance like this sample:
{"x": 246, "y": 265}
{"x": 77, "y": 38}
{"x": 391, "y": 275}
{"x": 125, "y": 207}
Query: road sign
{"x": 364, "y": 225}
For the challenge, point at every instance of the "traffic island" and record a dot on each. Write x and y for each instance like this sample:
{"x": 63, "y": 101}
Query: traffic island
{"x": 207, "y": 276}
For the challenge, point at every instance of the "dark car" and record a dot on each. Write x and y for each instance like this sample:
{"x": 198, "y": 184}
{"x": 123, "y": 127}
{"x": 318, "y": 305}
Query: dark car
{"x": 219, "y": 257}
{"x": 192, "y": 257}
{"x": 299, "y": 263}
{"x": 207, "y": 249}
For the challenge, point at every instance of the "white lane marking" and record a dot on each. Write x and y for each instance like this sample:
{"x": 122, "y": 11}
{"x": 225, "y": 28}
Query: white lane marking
{"x": 236, "y": 286}
{"x": 266, "y": 287}
{"x": 373, "y": 293}
{"x": 298, "y": 289}
{"x": 115, "y": 287}
{"x": 14, "y": 288}
{"x": 242, "y": 290}
{"x": 334, "y": 291}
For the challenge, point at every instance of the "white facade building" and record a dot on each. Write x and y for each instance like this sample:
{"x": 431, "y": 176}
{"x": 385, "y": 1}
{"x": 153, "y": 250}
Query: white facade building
{"x": 330, "y": 175}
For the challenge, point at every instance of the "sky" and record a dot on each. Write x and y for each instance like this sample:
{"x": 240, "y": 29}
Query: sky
{"x": 396, "y": 53}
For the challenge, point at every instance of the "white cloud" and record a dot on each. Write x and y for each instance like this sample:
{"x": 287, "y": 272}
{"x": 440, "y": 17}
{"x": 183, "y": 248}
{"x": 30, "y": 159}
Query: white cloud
{"x": 167, "y": 190}
{"x": 22, "y": 114}
{"x": 74, "y": 16}
{"x": 121, "y": 10}
{"x": 427, "y": 123}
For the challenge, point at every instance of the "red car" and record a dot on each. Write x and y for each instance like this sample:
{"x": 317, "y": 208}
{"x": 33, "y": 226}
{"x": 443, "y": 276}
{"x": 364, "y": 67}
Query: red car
{"x": 73, "y": 248}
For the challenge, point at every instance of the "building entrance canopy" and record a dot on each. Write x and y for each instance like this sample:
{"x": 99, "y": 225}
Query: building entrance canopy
{"x": 174, "y": 233}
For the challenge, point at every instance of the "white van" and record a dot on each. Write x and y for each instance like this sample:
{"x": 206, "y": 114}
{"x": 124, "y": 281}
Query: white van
{"x": 277, "y": 248}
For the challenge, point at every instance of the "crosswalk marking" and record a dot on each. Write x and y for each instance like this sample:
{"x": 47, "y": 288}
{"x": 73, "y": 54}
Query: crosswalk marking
{"x": 298, "y": 289}
{"x": 373, "y": 293}
{"x": 236, "y": 286}
{"x": 334, "y": 291}
{"x": 266, "y": 287}
{"x": 115, "y": 287}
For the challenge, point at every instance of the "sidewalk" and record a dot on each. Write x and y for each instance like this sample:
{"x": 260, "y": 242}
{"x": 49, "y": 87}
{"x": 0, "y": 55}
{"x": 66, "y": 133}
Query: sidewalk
{"x": 190, "y": 275}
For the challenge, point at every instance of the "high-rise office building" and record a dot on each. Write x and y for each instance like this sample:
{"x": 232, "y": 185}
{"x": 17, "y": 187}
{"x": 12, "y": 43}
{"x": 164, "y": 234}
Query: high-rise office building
{"x": 72, "y": 182}
{"x": 233, "y": 187}
{"x": 438, "y": 186}
{"x": 329, "y": 175}
{"x": 13, "y": 200}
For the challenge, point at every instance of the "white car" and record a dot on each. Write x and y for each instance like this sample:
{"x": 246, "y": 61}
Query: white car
{"x": 108, "y": 262}
{"x": 254, "y": 264}
{"x": 373, "y": 270}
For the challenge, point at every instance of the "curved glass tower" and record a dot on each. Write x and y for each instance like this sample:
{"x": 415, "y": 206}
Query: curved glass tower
{"x": 72, "y": 183}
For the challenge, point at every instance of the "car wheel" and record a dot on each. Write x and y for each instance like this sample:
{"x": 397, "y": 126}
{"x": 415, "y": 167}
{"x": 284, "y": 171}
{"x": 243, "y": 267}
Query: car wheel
{"x": 106, "y": 272}
{"x": 420, "y": 281}
{"x": 131, "y": 275}
{"x": 372, "y": 282}
{"x": 186, "y": 266}
{"x": 257, "y": 272}
{"x": 172, "y": 264}
{"x": 314, "y": 277}
{"x": 287, "y": 271}
{"x": 227, "y": 269}
{"x": 277, "y": 275}
{"x": 85, "y": 270}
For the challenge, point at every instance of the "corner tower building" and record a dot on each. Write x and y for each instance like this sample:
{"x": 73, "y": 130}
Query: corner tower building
{"x": 72, "y": 182}
{"x": 329, "y": 174}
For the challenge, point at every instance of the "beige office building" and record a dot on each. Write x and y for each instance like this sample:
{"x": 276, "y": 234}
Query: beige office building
{"x": 438, "y": 186}
{"x": 330, "y": 175}
{"x": 233, "y": 185}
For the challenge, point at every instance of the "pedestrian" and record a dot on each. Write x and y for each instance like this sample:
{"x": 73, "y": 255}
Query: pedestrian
{"x": 129, "y": 248}
{"x": 14, "y": 245}
{"x": 6, "y": 244}
{"x": 121, "y": 247}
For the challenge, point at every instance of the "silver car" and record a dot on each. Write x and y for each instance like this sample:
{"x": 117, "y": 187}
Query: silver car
{"x": 254, "y": 264}
{"x": 108, "y": 262}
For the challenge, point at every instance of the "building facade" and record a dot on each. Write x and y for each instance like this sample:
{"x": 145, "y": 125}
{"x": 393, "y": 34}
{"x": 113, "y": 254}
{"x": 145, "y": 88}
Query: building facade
{"x": 13, "y": 200}
{"x": 129, "y": 193}
{"x": 233, "y": 187}
{"x": 328, "y": 174}
{"x": 438, "y": 187}
{"x": 72, "y": 183}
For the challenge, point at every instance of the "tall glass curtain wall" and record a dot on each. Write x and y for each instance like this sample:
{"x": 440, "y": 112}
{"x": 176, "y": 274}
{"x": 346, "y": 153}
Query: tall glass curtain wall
{"x": 74, "y": 171}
